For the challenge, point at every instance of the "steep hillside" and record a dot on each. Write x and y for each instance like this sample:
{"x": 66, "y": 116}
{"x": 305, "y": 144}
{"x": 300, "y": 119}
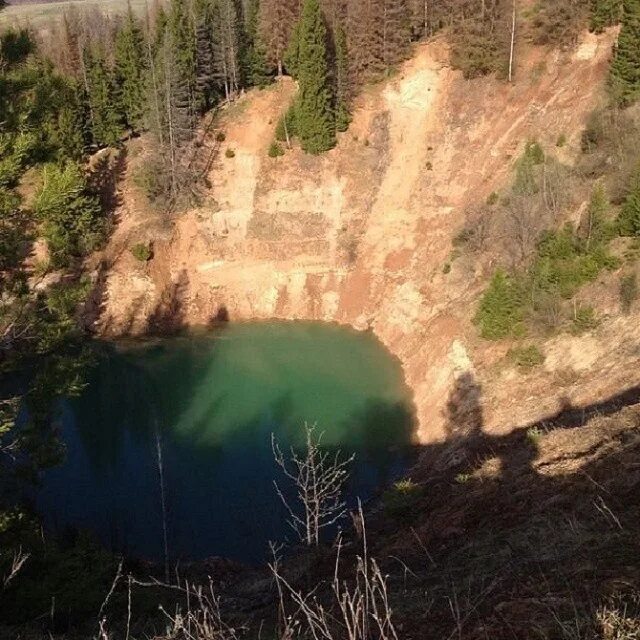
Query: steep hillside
{"x": 361, "y": 234}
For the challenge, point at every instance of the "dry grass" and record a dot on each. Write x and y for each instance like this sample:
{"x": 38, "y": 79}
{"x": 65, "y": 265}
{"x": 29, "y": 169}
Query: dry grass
{"x": 39, "y": 15}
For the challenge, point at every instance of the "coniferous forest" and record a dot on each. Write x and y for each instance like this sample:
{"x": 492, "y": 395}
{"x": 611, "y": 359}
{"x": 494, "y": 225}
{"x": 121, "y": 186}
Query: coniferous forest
{"x": 92, "y": 81}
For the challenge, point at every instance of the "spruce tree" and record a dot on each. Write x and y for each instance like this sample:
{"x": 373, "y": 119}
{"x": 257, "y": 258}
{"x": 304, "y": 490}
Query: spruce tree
{"x": 314, "y": 115}
{"x": 629, "y": 220}
{"x": 130, "y": 70}
{"x": 256, "y": 70}
{"x": 625, "y": 69}
{"x": 604, "y": 13}
{"x": 228, "y": 45}
{"x": 205, "y": 66}
{"x": 106, "y": 125}
{"x": 343, "y": 87}
{"x": 182, "y": 32}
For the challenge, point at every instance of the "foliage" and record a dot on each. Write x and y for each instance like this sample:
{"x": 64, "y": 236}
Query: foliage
{"x": 315, "y": 122}
{"x": 229, "y": 153}
{"x": 629, "y": 218}
{"x": 130, "y": 71}
{"x": 342, "y": 85}
{"x": 275, "y": 150}
{"x": 142, "y": 251}
{"x": 399, "y": 500}
{"x": 501, "y": 310}
{"x": 624, "y": 79}
{"x": 584, "y": 319}
{"x": 564, "y": 261}
{"x": 526, "y": 357}
{"x": 106, "y": 115}
{"x": 69, "y": 215}
{"x": 604, "y": 13}
{"x": 286, "y": 127}
{"x": 628, "y": 291}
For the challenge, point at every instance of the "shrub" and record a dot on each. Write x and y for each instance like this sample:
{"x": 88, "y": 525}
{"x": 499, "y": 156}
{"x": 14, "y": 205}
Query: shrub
{"x": 493, "y": 198}
{"x": 534, "y": 434}
{"x": 69, "y": 214}
{"x": 446, "y": 268}
{"x": 501, "y": 310}
{"x": 275, "y": 150}
{"x": 526, "y": 357}
{"x": 629, "y": 218}
{"x": 220, "y": 136}
{"x": 142, "y": 252}
{"x": 287, "y": 125}
{"x": 628, "y": 291}
{"x": 230, "y": 153}
{"x": 398, "y": 500}
{"x": 561, "y": 141}
{"x": 594, "y": 133}
{"x": 463, "y": 237}
{"x": 429, "y": 166}
{"x": 584, "y": 319}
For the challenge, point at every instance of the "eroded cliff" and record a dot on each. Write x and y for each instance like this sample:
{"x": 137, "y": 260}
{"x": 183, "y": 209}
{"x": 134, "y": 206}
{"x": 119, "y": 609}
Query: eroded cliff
{"x": 360, "y": 235}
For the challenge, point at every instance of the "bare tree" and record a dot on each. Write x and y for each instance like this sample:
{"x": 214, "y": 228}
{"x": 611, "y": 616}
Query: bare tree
{"x": 356, "y": 608}
{"x": 19, "y": 558}
{"x": 318, "y": 476}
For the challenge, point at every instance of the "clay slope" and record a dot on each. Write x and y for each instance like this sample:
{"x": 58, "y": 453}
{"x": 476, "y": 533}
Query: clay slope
{"x": 360, "y": 235}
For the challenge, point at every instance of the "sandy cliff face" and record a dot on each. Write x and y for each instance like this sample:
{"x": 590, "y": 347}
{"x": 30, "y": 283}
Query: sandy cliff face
{"x": 360, "y": 235}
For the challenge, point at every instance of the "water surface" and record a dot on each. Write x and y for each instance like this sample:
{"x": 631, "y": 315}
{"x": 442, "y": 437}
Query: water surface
{"x": 206, "y": 407}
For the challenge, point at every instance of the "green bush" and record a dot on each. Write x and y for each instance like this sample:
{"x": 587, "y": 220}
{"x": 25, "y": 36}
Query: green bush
{"x": 584, "y": 319}
{"x": 401, "y": 497}
{"x": 275, "y": 150}
{"x": 287, "y": 125}
{"x": 69, "y": 214}
{"x": 221, "y": 136}
{"x": 142, "y": 252}
{"x": 629, "y": 218}
{"x": 628, "y": 291}
{"x": 501, "y": 310}
{"x": 564, "y": 262}
{"x": 526, "y": 357}
{"x": 561, "y": 141}
{"x": 230, "y": 153}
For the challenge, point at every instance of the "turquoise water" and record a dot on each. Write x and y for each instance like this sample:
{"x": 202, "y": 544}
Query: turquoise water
{"x": 206, "y": 407}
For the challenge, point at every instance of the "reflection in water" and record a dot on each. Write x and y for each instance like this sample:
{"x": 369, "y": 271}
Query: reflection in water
{"x": 182, "y": 428}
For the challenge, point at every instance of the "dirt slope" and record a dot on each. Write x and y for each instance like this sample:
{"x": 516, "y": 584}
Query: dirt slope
{"x": 360, "y": 235}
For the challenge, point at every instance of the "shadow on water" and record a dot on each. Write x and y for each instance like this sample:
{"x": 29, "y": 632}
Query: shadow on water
{"x": 218, "y": 467}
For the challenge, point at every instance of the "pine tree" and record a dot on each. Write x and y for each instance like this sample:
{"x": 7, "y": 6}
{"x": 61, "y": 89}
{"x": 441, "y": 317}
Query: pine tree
{"x": 106, "y": 121}
{"x": 604, "y": 13}
{"x": 314, "y": 117}
{"x": 629, "y": 220}
{"x": 342, "y": 82}
{"x": 205, "y": 65}
{"x": 130, "y": 70}
{"x": 291, "y": 56}
{"x": 625, "y": 68}
{"x": 69, "y": 215}
{"x": 227, "y": 45}
{"x": 182, "y": 30}
{"x": 256, "y": 70}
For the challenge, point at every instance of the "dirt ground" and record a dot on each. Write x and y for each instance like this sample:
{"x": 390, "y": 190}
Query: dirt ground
{"x": 360, "y": 235}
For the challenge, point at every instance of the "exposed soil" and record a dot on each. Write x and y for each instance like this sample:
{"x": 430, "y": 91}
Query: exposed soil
{"x": 360, "y": 235}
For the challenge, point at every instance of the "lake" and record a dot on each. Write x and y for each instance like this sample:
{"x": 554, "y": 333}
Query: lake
{"x": 201, "y": 409}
